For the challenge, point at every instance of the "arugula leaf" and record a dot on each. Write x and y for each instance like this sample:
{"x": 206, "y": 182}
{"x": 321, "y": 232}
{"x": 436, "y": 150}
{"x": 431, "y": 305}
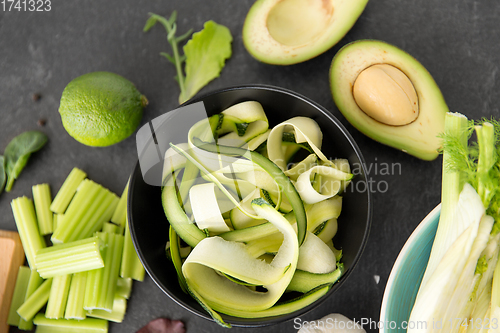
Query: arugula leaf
{"x": 18, "y": 151}
{"x": 2, "y": 173}
{"x": 206, "y": 54}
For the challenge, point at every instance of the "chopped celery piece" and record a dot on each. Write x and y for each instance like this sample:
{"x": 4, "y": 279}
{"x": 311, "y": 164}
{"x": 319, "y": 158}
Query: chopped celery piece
{"x": 124, "y": 287}
{"x": 23, "y": 277}
{"x": 56, "y": 306}
{"x": 103, "y": 214}
{"x": 131, "y": 265}
{"x": 76, "y": 296}
{"x": 89, "y": 325}
{"x": 27, "y": 226}
{"x": 110, "y": 228}
{"x": 116, "y": 315}
{"x": 69, "y": 258}
{"x": 101, "y": 283}
{"x": 43, "y": 199}
{"x": 55, "y": 219}
{"x": 120, "y": 214}
{"x": 34, "y": 282}
{"x": 67, "y": 191}
{"x": 86, "y": 213}
{"x": 36, "y": 301}
{"x": 111, "y": 210}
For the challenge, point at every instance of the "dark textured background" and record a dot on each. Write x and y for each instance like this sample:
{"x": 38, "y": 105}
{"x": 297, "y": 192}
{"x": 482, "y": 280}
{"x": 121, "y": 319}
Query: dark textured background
{"x": 456, "y": 40}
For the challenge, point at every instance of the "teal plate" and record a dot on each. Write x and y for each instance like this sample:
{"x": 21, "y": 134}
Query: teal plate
{"x": 406, "y": 275}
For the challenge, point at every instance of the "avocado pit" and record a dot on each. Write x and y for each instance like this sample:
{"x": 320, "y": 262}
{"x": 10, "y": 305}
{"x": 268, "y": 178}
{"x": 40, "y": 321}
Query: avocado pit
{"x": 386, "y": 94}
{"x": 298, "y": 22}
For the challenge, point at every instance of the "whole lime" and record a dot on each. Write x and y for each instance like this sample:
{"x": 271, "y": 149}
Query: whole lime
{"x": 101, "y": 108}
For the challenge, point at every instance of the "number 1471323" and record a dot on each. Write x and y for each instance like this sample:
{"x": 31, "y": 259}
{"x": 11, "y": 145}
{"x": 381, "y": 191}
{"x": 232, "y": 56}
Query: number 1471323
{"x": 26, "y": 5}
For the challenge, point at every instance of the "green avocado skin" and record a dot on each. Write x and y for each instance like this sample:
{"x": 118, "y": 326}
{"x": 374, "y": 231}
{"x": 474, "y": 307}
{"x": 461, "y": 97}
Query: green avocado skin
{"x": 265, "y": 49}
{"x": 419, "y": 138}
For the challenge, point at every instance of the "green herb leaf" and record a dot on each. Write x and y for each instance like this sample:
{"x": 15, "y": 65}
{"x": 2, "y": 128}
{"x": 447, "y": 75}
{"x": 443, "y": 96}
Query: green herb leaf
{"x": 18, "y": 152}
{"x": 173, "y": 17}
{"x": 150, "y": 23}
{"x": 169, "y": 57}
{"x": 2, "y": 173}
{"x": 184, "y": 37}
{"x": 206, "y": 54}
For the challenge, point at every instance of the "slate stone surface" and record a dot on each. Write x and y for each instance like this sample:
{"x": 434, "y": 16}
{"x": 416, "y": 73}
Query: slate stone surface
{"x": 40, "y": 52}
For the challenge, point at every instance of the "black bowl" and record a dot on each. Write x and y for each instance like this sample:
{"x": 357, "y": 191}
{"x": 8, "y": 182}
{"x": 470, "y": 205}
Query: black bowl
{"x": 149, "y": 226}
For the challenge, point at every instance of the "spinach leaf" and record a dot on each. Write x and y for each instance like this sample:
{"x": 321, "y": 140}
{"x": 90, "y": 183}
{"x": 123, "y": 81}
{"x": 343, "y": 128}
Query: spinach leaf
{"x": 18, "y": 152}
{"x": 2, "y": 173}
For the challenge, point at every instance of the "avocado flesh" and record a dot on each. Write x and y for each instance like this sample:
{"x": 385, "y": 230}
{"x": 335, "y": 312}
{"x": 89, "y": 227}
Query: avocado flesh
{"x": 285, "y": 32}
{"x": 419, "y": 138}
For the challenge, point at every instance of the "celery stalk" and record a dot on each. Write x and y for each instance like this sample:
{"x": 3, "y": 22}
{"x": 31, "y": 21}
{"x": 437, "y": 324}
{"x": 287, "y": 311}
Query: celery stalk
{"x": 56, "y": 306}
{"x": 69, "y": 258}
{"x": 54, "y": 221}
{"x": 74, "y": 307}
{"x": 116, "y": 315}
{"x": 93, "y": 288}
{"x": 27, "y": 226}
{"x": 89, "y": 325}
{"x": 42, "y": 200}
{"x": 36, "y": 301}
{"x": 78, "y": 208}
{"x": 110, "y": 228}
{"x": 108, "y": 215}
{"x": 23, "y": 277}
{"x": 34, "y": 282}
{"x": 111, "y": 272}
{"x": 101, "y": 284}
{"x": 131, "y": 265}
{"x": 120, "y": 214}
{"x": 124, "y": 287}
{"x": 67, "y": 191}
{"x": 101, "y": 215}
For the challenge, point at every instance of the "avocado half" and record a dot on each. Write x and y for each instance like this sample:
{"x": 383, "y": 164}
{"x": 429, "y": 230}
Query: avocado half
{"x": 285, "y": 32}
{"x": 419, "y": 137}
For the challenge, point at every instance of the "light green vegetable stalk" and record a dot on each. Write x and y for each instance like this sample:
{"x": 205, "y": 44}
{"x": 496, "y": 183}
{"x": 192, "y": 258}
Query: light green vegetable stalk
{"x": 67, "y": 191}
{"x": 58, "y": 297}
{"x": 69, "y": 258}
{"x": 464, "y": 250}
{"x": 124, "y": 287}
{"x": 36, "y": 301}
{"x": 27, "y": 226}
{"x": 23, "y": 277}
{"x": 116, "y": 315}
{"x": 120, "y": 214}
{"x": 86, "y": 214}
{"x": 76, "y": 297}
{"x": 42, "y": 200}
{"x": 101, "y": 283}
{"x": 131, "y": 266}
{"x": 33, "y": 284}
{"x": 89, "y": 325}
{"x": 205, "y": 53}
